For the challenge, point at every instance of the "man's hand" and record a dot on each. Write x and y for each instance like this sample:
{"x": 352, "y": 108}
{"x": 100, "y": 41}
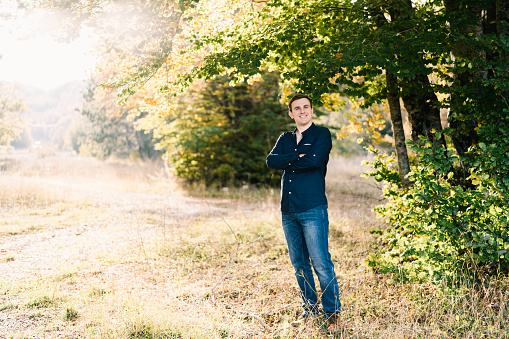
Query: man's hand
{"x": 301, "y": 155}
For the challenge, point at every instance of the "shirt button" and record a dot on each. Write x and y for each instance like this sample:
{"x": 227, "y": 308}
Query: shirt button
{"x": 289, "y": 192}
{"x": 295, "y": 150}
{"x": 290, "y": 180}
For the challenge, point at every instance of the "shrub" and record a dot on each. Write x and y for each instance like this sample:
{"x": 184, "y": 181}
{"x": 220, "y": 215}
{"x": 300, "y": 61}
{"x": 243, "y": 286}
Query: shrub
{"x": 442, "y": 223}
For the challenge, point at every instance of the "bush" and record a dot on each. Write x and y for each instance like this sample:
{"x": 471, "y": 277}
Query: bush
{"x": 442, "y": 223}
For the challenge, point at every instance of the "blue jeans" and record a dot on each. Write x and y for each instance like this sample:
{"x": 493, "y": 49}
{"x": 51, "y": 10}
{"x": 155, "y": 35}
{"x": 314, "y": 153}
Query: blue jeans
{"x": 307, "y": 237}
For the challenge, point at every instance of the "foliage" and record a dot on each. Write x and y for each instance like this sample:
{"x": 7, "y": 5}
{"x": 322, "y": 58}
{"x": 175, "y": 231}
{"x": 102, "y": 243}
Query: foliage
{"x": 109, "y": 129}
{"x": 322, "y": 47}
{"x": 438, "y": 226}
{"x": 11, "y": 107}
{"x": 225, "y": 132}
{"x": 454, "y": 216}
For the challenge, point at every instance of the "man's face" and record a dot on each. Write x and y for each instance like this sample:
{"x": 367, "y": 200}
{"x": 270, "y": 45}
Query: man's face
{"x": 301, "y": 112}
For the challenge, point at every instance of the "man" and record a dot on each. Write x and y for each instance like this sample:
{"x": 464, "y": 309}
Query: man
{"x": 303, "y": 155}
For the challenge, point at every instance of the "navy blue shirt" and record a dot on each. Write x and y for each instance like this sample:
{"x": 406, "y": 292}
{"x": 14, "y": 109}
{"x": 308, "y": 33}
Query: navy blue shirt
{"x": 303, "y": 180}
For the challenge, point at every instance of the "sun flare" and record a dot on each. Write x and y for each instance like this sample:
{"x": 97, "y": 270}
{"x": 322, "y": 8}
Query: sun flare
{"x": 38, "y": 59}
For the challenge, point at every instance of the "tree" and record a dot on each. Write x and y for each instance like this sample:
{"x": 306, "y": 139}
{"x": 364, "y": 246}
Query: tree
{"x": 110, "y": 130}
{"x": 222, "y": 133}
{"x": 11, "y": 106}
{"x": 348, "y": 48}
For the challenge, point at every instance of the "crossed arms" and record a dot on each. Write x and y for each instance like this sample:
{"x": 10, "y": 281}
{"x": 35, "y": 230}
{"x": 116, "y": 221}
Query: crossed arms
{"x": 297, "y": 161}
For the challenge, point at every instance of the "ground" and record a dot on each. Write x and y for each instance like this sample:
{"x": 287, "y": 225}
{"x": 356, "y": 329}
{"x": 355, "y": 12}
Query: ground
{"x": 119, "y": 249}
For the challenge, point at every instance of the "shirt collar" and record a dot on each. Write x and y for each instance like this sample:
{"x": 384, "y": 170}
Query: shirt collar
{"x": 306, "y": 131}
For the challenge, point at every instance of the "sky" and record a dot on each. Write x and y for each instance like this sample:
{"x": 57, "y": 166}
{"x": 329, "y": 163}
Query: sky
{"x": 32, "y": 58}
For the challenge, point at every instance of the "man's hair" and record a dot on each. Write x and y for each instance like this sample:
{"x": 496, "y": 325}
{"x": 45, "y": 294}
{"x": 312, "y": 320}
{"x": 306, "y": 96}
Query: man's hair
{"x": 297, "y": 97}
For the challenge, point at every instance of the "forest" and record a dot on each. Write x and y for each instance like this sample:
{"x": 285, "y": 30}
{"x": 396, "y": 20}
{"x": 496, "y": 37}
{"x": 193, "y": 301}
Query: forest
{"x": 414, "y": 92}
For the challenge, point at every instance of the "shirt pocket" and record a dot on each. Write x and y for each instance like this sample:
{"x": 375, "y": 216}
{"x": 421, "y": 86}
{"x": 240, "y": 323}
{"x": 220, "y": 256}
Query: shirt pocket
{"x": 305, "y": 148}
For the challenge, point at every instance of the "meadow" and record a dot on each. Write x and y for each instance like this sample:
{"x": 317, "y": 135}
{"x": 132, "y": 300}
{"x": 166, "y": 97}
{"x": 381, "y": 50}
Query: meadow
{"x": 120, "y": 249}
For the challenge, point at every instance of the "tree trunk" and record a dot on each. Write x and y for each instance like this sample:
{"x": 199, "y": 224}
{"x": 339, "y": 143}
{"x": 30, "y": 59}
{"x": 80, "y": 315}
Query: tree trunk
{"x": 140, "y": 139}
{"x": 418, "y": 97}
{"x": 421, "y": 104}
{"x": 141, "y": 146}
{"x": 397, "y": 126}
{"x": 460, "y": 121}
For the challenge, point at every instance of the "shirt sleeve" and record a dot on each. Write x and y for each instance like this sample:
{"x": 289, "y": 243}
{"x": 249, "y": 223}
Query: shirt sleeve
{"x": 277, "y": 159}
{"x": 316, "y": 156}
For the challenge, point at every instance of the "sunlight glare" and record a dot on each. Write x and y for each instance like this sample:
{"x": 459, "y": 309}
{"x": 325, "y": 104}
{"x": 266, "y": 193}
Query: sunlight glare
{"x": 41, "y": 61}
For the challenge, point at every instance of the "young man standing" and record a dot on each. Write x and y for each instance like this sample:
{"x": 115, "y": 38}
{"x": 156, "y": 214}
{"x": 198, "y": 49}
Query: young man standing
{"x": 303, "y": 155}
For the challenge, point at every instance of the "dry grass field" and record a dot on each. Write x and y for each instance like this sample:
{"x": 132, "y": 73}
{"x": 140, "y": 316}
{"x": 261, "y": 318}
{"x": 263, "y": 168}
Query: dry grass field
{"x": 92, "y": 249}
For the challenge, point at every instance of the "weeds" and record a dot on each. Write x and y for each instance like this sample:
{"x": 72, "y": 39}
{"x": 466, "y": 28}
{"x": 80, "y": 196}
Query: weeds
{"x": 9, "y": 306}
{"x": 98, "y": 292}
{"x": 146, "y": 331}
{"x": 71, "y": 314}
{"x": 41, "y": 302}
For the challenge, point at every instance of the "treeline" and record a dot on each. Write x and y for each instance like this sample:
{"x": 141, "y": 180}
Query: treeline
{"x": 217, "y": 134}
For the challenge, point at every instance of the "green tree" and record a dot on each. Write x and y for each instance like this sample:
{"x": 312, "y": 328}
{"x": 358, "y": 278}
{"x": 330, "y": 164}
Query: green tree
{"x": 223, "y": 133}
{"x": 362, "y": 49}
{"x": 453, "y": 215}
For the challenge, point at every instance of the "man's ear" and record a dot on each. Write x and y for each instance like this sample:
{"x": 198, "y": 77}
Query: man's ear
{"x": 290, "y": 114}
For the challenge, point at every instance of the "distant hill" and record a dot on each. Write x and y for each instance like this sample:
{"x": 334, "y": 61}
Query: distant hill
{"x": 49, "y": 106}
{"x": 50, "y": 113}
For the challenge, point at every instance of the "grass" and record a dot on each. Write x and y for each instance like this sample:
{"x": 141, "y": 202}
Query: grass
{"x": 71, "y": 314}
{"x": 134, "y": 256}
{"x": 41, "y": 302}
{"x": 9, "y": 306}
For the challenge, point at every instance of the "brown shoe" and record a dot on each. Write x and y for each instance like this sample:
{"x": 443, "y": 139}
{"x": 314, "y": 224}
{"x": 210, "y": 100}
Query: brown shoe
{"x": 301, "y": 321}
{"x": 333, "y": 323}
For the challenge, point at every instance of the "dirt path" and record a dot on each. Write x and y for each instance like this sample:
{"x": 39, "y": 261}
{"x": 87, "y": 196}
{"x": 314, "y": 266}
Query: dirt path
{"x": 116, "y": 226}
